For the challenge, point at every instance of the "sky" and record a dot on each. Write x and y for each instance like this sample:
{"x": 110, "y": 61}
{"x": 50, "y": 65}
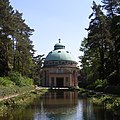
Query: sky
{"x": 54, "y": 19}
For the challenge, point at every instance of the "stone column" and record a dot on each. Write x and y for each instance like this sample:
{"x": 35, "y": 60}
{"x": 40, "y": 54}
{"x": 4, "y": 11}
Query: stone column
{"x": 55, "y": 81}
{"x": 70, "y": 81}
{"x": 49, "y": 83}
{"x": 64, "y": 82}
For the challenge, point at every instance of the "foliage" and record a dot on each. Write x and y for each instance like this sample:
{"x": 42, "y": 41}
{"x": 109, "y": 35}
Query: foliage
{"x": 19, "y": 80}
{"x": 101, "y": 59}
{"x": 5, "y": 81}
{"x": 100, "y": 83}
{"x": 37, "y": 72}
{"x": 15, "y": 45}
{"x": 110, "y": 103}
{"x": 16, "y": 78}
{"x": 28, "y": 81}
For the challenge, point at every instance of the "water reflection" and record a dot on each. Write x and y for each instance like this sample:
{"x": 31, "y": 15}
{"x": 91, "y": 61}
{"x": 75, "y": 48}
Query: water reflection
{"x": 59, "y": 106}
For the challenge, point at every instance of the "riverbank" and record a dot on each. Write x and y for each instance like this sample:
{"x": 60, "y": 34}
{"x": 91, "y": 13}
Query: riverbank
{"x": 9, "y": 92}
{"x": 20, "y": 99}
{"x": 110, "y": 102}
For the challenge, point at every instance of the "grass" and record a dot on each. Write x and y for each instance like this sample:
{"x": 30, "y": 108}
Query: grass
{"x": 7, "y": 91}
{"x": 22, "y": 100}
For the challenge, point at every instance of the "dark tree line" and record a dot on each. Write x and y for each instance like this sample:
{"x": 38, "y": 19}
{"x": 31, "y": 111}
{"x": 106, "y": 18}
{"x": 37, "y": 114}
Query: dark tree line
{"x": 16, "y": 48}
{"x": 101, "y": 59}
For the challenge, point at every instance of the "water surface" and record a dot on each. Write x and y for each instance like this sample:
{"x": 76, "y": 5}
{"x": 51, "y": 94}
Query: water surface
{"x": 59, "y": 106}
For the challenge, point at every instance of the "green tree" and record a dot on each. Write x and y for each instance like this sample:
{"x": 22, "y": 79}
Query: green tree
{"x": 6, "y": 12}
{"x": 15, "y": 45}
{"x": 113, "y": 13}
{"x": 97, "y": 42}
{"x": 101, "y": 59}
{"x": 23, "y": 48}
{"x": 37, "y": 69}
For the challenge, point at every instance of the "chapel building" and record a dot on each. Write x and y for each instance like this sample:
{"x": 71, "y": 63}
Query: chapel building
{"x": 60, "y": 68}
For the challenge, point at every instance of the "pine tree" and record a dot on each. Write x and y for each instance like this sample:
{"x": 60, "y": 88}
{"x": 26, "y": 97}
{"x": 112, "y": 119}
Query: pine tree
{"x": 97, "y": 42}
{"x": 113, "y": 13}
{"x": 37, "y": 69}
{"x": 6, "y": 12}
{"x": 15, "y": 45}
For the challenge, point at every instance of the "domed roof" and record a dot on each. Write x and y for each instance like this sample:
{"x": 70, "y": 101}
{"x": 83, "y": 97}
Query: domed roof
{"x": 59, "y": 53}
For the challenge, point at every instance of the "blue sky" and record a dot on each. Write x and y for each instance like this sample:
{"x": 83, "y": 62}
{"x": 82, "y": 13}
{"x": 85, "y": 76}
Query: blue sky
{"x": 54, "y": 19}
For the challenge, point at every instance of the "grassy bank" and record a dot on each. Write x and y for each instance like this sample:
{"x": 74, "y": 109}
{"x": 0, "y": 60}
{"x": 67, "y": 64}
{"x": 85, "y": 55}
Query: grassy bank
{"x": 16, "y": 90}
{"x": 110, "y": 102}
{"x": 22, "y": 100}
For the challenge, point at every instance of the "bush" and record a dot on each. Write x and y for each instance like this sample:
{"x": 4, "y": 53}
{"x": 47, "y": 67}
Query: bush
{"x": 28, "y": 81}
{"x": 19, "y": 80}
{"x": 100, "y": 82}
{"x": 5, "y": 81}
{"x": 16, "y": 78}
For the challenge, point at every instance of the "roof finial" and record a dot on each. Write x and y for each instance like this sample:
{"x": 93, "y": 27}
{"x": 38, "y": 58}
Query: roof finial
{"x": 59, "y": 40}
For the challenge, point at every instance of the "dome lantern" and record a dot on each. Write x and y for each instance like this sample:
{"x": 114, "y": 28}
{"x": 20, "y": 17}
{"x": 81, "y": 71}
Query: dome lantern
{"x": 59, "y": 45}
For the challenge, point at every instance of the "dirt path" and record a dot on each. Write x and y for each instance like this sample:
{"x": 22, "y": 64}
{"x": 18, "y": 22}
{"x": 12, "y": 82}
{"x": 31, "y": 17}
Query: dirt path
{"x": 15, "y": 95}
{"x": 8, "y": 97}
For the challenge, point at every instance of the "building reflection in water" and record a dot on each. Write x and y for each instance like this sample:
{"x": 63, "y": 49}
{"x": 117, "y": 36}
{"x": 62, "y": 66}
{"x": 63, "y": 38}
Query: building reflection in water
{"x": 60, "y": 99}
{"x": 67, "y": 106}
{"x": 59, "y": 105}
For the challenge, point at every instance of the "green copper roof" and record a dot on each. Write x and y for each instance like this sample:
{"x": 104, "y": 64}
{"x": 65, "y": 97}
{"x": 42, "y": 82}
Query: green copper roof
{"x": 59, "y": 53}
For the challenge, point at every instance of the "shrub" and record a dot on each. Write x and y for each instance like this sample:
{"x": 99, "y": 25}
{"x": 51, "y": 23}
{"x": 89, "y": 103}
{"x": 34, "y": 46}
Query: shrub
{"x": 102, "y": 83}
{"x": 16, "y": 78}
{"x": 19, "y": 80}
{"x": 28, "y": 81}
{"x": 5, "y": 81}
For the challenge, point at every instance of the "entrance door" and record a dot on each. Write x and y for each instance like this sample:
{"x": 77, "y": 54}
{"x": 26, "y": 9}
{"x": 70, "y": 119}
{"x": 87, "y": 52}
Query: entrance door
{"x": 59, "y": 82}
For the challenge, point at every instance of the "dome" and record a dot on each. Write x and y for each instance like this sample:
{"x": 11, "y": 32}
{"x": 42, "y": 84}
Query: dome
{"x": 59, "y": 54}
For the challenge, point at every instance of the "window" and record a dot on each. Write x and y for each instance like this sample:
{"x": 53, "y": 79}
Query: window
{"x": 67, "y": 51}
{"x": 59, "y": 51}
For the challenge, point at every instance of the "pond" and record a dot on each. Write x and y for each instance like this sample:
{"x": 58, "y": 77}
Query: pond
{"x": 60, "y": 105}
